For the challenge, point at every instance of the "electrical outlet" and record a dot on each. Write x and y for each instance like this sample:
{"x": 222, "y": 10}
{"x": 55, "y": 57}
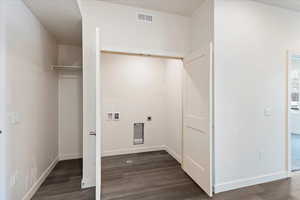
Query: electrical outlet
{"x": 13, "y": 179}
{"x": 117, "y": 116}
{"x": 261, "y": 155}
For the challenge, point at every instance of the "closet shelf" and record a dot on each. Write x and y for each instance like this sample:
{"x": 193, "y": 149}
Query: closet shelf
{"x": 66, "y": 68}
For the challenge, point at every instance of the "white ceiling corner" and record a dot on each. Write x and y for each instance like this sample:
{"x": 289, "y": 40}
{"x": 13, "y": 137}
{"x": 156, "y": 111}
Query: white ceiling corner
{"x": 288, "y": 4}
{"x": 62, "y": 18}
{"x": 179, "y": 7}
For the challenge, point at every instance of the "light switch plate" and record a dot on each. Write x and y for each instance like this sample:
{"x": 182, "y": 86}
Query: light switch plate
{"x": 109, "y": 116}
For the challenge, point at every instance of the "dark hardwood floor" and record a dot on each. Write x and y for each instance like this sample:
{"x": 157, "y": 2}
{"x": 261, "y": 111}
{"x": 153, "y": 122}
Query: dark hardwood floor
{"x": 150, "y": 176}
{"x": 64, "y": 183}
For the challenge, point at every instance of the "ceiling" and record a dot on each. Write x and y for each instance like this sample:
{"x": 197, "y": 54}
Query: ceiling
{"x": 179, "y": 7}
{"x": 289, "y": 4}
{"x": 62, "y": 18}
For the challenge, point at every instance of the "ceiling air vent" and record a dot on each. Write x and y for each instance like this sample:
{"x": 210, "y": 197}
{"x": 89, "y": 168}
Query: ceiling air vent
{"x": 144, "y": 18}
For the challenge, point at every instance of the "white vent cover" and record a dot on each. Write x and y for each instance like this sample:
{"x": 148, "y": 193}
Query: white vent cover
{"x": 146, "y": 18}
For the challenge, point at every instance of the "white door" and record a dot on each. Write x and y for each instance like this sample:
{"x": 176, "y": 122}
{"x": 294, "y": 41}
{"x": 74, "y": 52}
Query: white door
{"x": 197, "y": 118}
{"x": 98, "y": 117}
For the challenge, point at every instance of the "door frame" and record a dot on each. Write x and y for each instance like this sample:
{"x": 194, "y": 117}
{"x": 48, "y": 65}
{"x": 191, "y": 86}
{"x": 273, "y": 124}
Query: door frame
{"x": 98, "y": 116}
{"x": 100, "y": 50}
{"x": 288, "y": 134}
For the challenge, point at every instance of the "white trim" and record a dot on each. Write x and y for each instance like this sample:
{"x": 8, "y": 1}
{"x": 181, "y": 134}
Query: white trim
{"x": 98, "y": 115}
{"x": 133, "y": 150}
{"x": 287, "y": 105}
{"x": 223, "y": 187}
{"x": 87, "y": 183}
{"x": 143, "y": 150}
{"x": 288, "y": 133}
{"x": 69, "y": 76}
{"x": 69, "y": 157}
{"x": 173, "y": 154}
{"x": 79, "y": 3}
{"x": 40, "y": 181}
{"x": 211, "y": 116}
{"x": 294, "y": 174}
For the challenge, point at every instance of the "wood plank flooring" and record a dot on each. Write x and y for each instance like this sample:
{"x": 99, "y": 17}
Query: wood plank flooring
{"x": 154, "y": 175}
{"x": 150, "y": 176}
{"x": 64, "y": 183}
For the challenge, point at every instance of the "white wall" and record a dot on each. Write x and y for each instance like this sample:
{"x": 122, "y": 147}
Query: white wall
{"x": 173, "y": 75}
{"x": 2, "y": 102}
{"x": 202, "y": 27}
{"x": 168, "y": 35}
{"x": 135, "y": 87}
{"x": 69, "y": 55}
{"x": 251, "y": 43}
{"x": 32, "y": 99}
{"x": 139, "y": 87}
{"x": 70, "y": 103}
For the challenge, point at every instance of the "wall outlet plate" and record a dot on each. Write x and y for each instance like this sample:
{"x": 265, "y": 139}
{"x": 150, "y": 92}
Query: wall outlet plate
{"x": 116, "y": 116}
{"x": 14, "y": 178}
{"x": 13, "y": 181}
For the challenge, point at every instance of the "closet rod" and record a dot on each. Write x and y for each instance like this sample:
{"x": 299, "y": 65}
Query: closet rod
{"x": 141, "y": 54}
{"x": 66, "y": 68}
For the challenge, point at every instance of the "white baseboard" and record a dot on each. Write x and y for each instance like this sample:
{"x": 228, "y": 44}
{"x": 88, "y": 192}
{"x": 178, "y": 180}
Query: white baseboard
{"x": 88, "y": 183}
{"x": 173, "y": 154}
{"x": 39, "y": 182}
{"x": 142, "y": 150}
{"x": 70, "y": 157}
{"x": 132, "y": 150}
{"x": 294, "y": 174}
{"x": 249, "y": 182}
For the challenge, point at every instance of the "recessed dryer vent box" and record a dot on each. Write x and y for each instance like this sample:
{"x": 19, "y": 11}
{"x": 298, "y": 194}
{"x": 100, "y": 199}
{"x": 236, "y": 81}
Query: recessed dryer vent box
{"x": 138, "y": 133}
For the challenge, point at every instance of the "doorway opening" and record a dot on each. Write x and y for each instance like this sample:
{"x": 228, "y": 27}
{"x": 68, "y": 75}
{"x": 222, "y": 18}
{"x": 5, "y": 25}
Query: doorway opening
{"x": 143, "y": 105}
{"x": 141, "y": 122}
{"x": 154, "y": 113}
